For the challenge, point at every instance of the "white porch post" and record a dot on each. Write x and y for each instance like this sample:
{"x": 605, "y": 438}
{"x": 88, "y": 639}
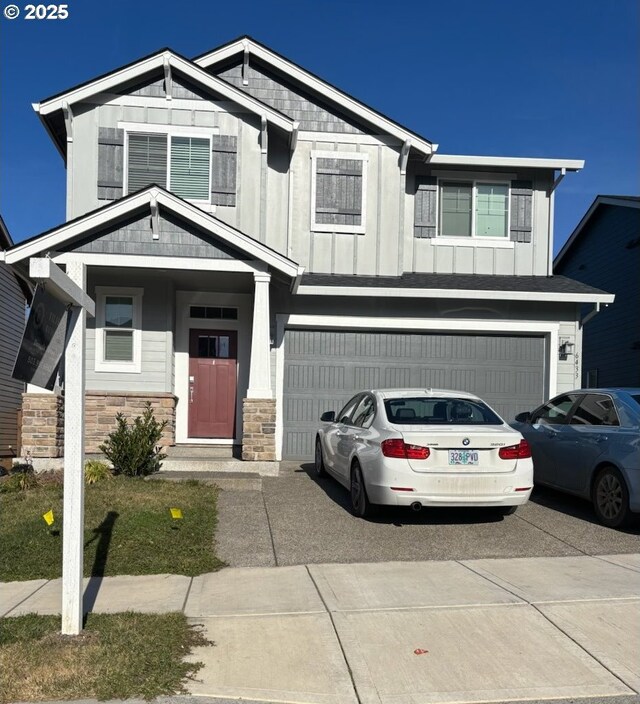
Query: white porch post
{"x": 259, "y": 366}
{"x": 73, "y": 522}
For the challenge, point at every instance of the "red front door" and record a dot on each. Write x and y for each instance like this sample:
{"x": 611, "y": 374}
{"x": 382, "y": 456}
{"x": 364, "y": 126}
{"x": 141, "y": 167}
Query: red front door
{"x": 212, "y": 383}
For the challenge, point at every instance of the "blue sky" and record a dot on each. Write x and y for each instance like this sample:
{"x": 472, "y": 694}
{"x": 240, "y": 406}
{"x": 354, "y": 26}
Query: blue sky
{"x": 554, "y": 78}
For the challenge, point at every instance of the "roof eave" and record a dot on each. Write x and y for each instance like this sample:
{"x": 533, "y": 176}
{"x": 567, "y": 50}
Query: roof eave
{"x": 506, "y": 161}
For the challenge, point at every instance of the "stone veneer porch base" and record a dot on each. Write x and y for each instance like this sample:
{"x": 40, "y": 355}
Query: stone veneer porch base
{"x": 259, "y": 429}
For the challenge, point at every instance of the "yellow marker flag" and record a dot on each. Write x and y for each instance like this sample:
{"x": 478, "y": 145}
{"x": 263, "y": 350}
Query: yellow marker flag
{"x": 48, "y": 517}
{"x": 175, "y": 513}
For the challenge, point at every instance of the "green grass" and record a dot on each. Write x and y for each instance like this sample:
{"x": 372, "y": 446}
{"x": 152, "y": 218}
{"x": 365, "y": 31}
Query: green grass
{"x": 128, "y": 529}
{"x": 117, "y": 656}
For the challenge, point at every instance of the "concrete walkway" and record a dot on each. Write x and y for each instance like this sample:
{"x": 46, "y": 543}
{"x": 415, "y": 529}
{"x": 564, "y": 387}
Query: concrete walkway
{"x": 397, "y": 632}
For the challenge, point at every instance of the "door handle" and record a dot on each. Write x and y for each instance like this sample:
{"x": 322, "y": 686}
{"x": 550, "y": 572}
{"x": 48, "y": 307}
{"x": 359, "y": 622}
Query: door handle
{"x": 191, "y": 394}
{"x": 602, "y": 438}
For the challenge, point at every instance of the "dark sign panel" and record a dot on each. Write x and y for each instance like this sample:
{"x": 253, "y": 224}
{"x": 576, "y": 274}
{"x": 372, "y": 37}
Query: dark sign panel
{"x": 43, "y": 341}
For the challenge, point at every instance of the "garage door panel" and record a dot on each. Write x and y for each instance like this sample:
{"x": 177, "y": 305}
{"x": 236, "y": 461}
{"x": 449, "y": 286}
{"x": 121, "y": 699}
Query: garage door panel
{"x": 323, "y": 369}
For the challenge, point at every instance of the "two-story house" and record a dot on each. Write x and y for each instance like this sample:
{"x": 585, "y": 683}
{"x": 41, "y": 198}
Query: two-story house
{"x": 260, "y": 245}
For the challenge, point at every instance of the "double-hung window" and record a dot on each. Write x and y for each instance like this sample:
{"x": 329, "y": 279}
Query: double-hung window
{"x": 474, "y": 209}
{"x": 118, "y": 344}
{"x": 338, "y": 192}
{"x": 180, "y": 163}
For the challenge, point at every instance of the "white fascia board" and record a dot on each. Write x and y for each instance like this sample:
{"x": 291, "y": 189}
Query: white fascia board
{"x": 507, "y": 161}
{"x": 454, "y": 293}
{"x": 312, "y": 82}
{"x": 195, "y": 73}
{"x": 137, "y": 261}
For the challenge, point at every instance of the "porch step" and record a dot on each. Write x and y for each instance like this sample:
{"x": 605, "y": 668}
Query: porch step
{"x": 209, "y": 464}
{"x": 229, "y": 481}
{"x": 202, "y": 452}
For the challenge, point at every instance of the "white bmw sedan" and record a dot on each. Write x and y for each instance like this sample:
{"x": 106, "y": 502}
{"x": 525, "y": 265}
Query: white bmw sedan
{"x": 424, "y": 447}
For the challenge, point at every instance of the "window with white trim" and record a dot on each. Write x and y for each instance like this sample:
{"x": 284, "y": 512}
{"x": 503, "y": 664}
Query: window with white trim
{"x": 473, "y": 209}
{"x": 118, "y": 344}
{"x": 338, "y": 192}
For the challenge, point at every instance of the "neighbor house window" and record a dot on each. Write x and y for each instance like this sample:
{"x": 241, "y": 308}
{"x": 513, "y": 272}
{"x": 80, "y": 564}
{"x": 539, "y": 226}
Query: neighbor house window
{"x": 473, "y": 209}
{"x": 338, "y": 202}
{"x": 118, "y": 341}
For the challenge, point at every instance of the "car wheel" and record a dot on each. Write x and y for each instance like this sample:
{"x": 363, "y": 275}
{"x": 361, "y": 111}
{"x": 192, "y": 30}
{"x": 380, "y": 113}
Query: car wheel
{"x": 319, "y": 460}
{"x": 611, "y": 498}
{"x": 506, "y": 510}
{"x": 359, "y": 501}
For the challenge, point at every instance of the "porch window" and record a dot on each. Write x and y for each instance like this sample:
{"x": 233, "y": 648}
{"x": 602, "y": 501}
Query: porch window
{"x": 118, "y": 330}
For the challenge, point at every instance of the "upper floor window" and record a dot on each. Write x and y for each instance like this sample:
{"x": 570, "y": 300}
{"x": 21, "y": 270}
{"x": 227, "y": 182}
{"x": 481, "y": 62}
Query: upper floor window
{"x": 193, "y": 163}
{"x": 473, "y": 209}
{"x": 180, "y": 163}
{"x": 338, "y": 192}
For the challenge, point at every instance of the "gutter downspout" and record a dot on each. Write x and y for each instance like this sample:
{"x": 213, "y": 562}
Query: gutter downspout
{"x": 592, "y": 313}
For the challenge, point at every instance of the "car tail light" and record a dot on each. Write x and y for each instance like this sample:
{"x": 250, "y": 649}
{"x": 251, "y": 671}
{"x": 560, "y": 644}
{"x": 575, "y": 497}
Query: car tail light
{"x": 397, "y": 447}
{"x": 515, "y": 452}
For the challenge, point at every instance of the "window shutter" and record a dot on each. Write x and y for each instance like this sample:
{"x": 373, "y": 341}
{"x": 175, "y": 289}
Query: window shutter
{"x": 224, "y": 156}
{"x": 521, "y": 208}
{"x": 190, "y": 167}
{"x": 424, "y": 224}
{"x": 110, "y": 163}
{"x": 339, "y": 191}
{"x": 147, "y": 162}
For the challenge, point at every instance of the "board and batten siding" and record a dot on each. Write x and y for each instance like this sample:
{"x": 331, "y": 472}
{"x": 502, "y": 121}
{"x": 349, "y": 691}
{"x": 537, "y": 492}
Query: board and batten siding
{"x": 12, "y": 321}
{"x": 157, "y": 334}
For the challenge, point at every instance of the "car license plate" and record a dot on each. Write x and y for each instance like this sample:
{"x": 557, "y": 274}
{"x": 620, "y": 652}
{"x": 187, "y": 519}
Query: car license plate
{"x": 463, "y": 457}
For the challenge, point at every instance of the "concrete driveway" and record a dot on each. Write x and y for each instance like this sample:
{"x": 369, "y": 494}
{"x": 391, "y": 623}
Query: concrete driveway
{"x": 297, "y": 519}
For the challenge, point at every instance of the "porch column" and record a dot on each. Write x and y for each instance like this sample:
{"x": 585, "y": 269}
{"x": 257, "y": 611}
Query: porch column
{"x": 259, "y": 367}
{"x": 259, "y": 407}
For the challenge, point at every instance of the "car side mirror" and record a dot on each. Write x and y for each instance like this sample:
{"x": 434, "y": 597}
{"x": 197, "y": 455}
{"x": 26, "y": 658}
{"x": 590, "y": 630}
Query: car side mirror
{"x": 523, "y": 417}
{"x": 328, "y": 416}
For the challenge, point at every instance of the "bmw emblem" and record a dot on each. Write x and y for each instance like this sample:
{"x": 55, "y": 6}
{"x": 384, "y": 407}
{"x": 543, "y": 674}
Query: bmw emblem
{"x": 466, "y": 441}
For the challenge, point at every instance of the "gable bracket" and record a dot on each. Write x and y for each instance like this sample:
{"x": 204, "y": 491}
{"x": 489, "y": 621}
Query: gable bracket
{"x": 404, "y": 156}
{"x": 245, "y": 63}
{"x": 155, "y": 223}
{"x": 556, "y": 183}
{"x": 168, "y": 78}
{"x": 263, "y": 134}
{"x": 293, "y": 139}
{"x": 68, "y": 120}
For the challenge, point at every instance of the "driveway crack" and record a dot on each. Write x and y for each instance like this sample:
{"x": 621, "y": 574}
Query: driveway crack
{"x": 551, "y": 535}
{"x": 273, "y": 544}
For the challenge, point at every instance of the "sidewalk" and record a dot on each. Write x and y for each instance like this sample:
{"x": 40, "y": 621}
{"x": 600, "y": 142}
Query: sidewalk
{"x": 395, "y": 633}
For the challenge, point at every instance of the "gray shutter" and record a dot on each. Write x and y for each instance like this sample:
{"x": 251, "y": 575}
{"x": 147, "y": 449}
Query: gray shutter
{"x": 339, "y": 191}
{"x": 425, "y": 211}
{"x": 224, "y": 157}
{"x": 521, "y": 207}
{"x": 110, "y": 163}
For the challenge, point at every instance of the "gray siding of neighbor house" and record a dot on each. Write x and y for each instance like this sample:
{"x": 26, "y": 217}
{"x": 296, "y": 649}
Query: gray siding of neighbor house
{"x": 175, "y": 239}
{"x": 12, "y": 320}
{"x": 312, "y": 114}
{"x": 606, "y": 254}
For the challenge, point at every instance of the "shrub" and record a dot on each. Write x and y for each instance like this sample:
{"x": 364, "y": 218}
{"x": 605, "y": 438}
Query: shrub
{"x": 96, "y": 471}
{"x": 132, "y": 449}
{"x": 21, "y": 478}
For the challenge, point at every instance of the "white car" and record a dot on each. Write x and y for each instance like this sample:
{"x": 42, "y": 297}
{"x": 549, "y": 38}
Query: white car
{"x": 424, "y": 447}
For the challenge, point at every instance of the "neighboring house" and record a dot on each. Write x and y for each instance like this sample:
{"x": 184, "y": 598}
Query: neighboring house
{"x": 604, "y": 251}
{"x": 13, "y": 293}
{"x": 261, "y": 244}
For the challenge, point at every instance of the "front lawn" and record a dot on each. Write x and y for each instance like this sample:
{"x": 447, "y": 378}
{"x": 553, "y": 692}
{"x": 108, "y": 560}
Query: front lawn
{"x": 128, "y": 529}
{"x": 117, "y": 656}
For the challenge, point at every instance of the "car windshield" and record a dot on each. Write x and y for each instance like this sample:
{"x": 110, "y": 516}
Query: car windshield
{"x": 439, "y": 411}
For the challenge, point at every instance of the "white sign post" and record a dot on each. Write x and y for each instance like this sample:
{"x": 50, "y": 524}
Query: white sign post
{"x": 70, "y": 289}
